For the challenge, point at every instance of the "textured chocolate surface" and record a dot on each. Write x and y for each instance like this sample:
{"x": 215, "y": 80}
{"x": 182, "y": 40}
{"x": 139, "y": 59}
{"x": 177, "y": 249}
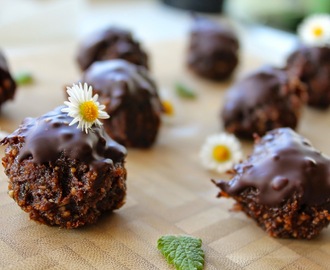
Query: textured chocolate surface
{"x": 266, "y": 99}
{"x": 111, "y": 43}
{"x": 131, "y": 99}
{"x": 312, "y": 66}
{"x": 284, "y": 186}
{"x": 213, "y": 49}
{"x": 62, "y": 176}
{"x": 281, "y": 164}
{"x": 7, "y": 83}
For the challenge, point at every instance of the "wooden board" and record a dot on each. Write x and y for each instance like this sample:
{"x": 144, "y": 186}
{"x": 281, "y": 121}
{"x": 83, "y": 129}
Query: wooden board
{"x": 168, "y": 190}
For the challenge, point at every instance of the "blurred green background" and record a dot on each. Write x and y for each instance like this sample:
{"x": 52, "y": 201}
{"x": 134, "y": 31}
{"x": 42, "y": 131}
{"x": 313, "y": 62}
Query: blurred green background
{"x": 282, "y": 14}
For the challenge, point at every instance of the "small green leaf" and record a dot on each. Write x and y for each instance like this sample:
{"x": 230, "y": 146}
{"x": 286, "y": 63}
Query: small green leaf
{"x": 184, "y": 91}
{"x": 184, "y": 252}
{"x": 23, "y": 78}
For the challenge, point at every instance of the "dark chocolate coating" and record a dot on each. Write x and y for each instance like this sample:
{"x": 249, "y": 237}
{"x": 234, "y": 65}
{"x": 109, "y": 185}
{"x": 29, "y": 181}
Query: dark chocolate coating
{"x": 312, "y": 66}
{"x": 131, "y": 99}
{"x": 282, "y": 163}
{"x": 50, "y": 135}
{"x": 262, "y": 101}
{"x": 7, "y": 83}
{"x": 111, "y": 43}
{"x": 213, "y": 49}
{"x": 284, "y": 185}
{"x": 62, "y": 176}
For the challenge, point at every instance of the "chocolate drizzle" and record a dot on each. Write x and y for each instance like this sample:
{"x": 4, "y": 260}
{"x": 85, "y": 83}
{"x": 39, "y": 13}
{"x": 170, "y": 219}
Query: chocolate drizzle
{"x": 281, "y": 164}
{"x": 48, "y": 137}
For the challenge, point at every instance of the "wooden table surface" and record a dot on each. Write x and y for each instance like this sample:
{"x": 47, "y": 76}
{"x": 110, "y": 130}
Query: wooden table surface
{"x": 169, "y": 192}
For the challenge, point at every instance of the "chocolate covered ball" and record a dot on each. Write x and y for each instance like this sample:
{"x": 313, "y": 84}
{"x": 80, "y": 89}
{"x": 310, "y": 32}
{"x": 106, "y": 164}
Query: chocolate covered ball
{"x": 7, "y": 83}
{"x": 312, "y": 66}
{"x": 131, "y": 99}
{"x": 266, "y": 99}
{"x": 213, "y": 49}
{"x": 111, "y": 43}
{"x": 284, "y": 185}
{"x": 61, "y": 175}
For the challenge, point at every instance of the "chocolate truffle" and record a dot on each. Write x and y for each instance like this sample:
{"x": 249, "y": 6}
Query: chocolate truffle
{"x": 62, "y": 176}
{"x": 213, "y": 50}
{"x": 110, "y": 43}
{"x": 262, "y": 101}
{"x": 312, "y": 66}
{"x": 7, "y": 83}
{"x": 131, "y": 100}
{"x": 284, "y": 185}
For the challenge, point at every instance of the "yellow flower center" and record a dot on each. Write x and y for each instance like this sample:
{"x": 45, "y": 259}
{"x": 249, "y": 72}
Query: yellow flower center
{"x": 221, "y": 153}
{"x": 318, "y": 31}
{"x": 168, "y": 107}
{"x": 89, "y": 111}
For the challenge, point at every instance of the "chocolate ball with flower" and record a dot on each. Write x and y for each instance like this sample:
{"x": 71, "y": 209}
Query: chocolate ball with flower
{"x": 130, "y": 96}
{"x": 220, "y": 152}
{"x": 63, "y": 168}
{"x": 310, "y": 62}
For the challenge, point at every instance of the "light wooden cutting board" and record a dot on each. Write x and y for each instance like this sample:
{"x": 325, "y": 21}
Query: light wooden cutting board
{"x": 168, "y": 190}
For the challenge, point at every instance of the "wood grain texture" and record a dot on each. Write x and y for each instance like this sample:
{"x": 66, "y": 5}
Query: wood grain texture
{"x": 168, "y": 190}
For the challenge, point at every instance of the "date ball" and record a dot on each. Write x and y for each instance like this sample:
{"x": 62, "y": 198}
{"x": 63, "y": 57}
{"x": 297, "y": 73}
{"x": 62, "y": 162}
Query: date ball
{"x": 213, "y": 50}
{"x": 7, "y": 83}
{"x": 62, "y": 176}
{"x": 131, "y": 99}
{"x": 284, "y": 185}
{"x": 110, "y": 43}
{"x": 312, "y": 66}
{"x": 264, "y": 100}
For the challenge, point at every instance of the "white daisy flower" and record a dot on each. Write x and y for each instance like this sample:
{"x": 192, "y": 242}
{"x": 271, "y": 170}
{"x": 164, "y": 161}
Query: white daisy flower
{"x": 315, "y": 30}
{"x": 220, "y": 152}
{"x": 83, "y": 107}
{"x": 170, "y": 106}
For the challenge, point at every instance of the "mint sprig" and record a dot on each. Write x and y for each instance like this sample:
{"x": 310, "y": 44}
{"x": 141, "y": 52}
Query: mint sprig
{"x": 184, "y": 91}
{"x": 184, "y": 252}
{"x": 23, "y": 78}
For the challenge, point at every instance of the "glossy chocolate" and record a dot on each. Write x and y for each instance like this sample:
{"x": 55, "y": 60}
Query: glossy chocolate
{"x": 118, "y": 80}
{"x": 131, "y": 99}
{"x": 110, "y": 43}
{"x": 283, "y": 163}
{"x": 48, "y": 137}
{"x": 312, "y": 66}
{"x": 265, "y": 99}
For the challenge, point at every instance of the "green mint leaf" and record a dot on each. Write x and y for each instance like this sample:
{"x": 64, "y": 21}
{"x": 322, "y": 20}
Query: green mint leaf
{"x": 23, "y": 78}
{"x": 184, "y": 91}
{"x": 184, "y": 252}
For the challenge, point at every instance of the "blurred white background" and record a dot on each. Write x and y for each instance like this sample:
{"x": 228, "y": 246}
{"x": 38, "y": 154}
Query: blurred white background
{"x": 36, "y": 22}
